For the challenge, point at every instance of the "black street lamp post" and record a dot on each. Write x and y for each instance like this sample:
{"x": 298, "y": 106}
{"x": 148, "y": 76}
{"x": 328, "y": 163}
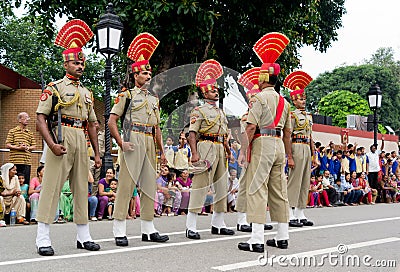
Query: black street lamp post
{"x": 374, "y": 96}
{"x": 109, "y": 30}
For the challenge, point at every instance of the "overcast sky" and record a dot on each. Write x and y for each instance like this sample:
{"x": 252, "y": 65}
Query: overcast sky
{"x": 367, "y": 26}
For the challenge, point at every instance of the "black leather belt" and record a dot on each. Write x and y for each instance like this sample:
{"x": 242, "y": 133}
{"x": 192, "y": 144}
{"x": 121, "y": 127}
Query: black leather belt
{"x": 270, "y": 132}
{"x": 301, "y": 140}
{"x": 216, "y": 139}
{"x": 73, "y": 122}
{"x": 142, "y": 128}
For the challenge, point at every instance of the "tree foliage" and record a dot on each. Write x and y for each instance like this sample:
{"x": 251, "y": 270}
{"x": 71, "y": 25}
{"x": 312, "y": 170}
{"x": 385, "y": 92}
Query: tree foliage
{"x": 191, "y": 31}
{"x": 358, "y": 80}
{"x": 339, "y": 104}
{"x": 23, "y": 51}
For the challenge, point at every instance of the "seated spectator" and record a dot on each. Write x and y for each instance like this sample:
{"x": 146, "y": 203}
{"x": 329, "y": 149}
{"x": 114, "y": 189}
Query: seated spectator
{"x": 351, "y": 196}
{"x": 102, "y": 194}
{"x": 24, "y": 190}
{"x": 35, "y": 185}
{"x": 393, "y": 183}
{"x": 313, "y": 196}
{"x": 233, "y": 187}
{"x": 92, "y": 199}
{"x": 184, "y": 183}
{"x": 327, "y": 182}
{"x": 134, "y": 205}
{"x": 389, "y": 188}
{"x": 323, "y": 195}
{"x": 368, "y": 193}
{"x": 162, "y": 194}
{"x": 209, "y": 202}
{"x": 171, "y": 204}
{"x": 340, "y": 192}
{"x": 65, "y": 204}
{"x": 111, "y": 199}
{"x": 10, "y": 192}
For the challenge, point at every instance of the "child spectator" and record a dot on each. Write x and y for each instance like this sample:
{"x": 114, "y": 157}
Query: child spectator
{"x": 313, "y": 197}
{"x": 134, "y": 204}
{"x": 174, "y": 201}
{"x": 111, "y": 199}
{"x": 184, "y": 183}
{"x": 182, "y": 156}
{"x": 233, "y": 187}
{"x": 24, "y": 188}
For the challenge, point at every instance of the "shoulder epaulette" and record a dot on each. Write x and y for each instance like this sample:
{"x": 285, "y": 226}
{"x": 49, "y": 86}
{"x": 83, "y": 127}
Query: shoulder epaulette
{"x": 55, "y": 82}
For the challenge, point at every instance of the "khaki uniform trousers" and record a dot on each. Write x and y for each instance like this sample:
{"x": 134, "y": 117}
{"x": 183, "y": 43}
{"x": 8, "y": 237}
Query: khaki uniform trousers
{"x": 299, "y": 176}
{"x": 73, "y": 166}
{"x": 138, "y": 165}
{"x": 267, "y": 182}
{"x": 241, "y": 202}
{"x": 218, "y": 176}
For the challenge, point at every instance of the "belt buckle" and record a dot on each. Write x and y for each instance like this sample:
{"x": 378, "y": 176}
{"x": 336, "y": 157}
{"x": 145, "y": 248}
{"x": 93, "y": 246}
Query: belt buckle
{"x": 77, "y": 123}
{"x": 220, "y": 139}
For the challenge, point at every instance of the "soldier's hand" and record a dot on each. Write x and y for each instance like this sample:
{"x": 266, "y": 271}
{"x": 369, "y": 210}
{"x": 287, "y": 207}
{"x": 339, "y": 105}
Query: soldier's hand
{"x": 194, "y": 158}
{"x": 58, "y": 149}
{"x": 291, "y": 163}
{"x": 128, "y": 146}
{"x": 97, "y": 161}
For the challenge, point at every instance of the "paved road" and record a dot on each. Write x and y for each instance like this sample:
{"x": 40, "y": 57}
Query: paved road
{"x": 370, "y": 234}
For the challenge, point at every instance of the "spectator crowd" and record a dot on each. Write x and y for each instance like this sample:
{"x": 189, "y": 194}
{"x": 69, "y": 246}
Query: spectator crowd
{"x": 346, "y": 175}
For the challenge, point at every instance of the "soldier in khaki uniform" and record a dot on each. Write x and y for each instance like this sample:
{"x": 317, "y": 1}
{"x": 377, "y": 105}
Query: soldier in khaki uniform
{"x": 67, "y": 156}
{"x": 249, "y": 80}
{"x": 141, "y": 132}
{"x": 302, "y": 148}
{"x": 268, "y": 117}
{"x": 209, "y": 124}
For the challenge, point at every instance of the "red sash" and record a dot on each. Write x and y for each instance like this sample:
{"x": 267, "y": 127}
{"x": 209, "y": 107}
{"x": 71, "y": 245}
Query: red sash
{"x": 278, "y": 115}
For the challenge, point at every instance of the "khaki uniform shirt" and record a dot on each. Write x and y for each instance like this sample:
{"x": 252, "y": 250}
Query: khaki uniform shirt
{"x": 208, "y": 119}
{"x": 262, "y": 110}
{"x": 82, "y": 109}
{"x": 301, "y": 123}
{"x": 144, "y": 107}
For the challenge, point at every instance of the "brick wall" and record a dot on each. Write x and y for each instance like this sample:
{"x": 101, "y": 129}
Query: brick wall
{"x": 14, "y": 102}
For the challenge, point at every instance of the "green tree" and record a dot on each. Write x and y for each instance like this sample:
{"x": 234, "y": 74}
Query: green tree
{"x": 339, "y": 104}
{"x": 23, "y": 51}
{"x": 191, "y": 31}
{"x": 358, "y": 80}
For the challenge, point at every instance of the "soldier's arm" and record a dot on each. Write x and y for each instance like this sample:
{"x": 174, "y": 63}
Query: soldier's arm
{"x": 41, "y": 126}
{"x": 160, "y": 145}
{"x": 112, "y": 125}
{"x": 193, "y": 146}
{"x": 94, "y": 141}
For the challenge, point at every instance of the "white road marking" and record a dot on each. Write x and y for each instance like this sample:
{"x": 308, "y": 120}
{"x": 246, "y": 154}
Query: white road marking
{"x": 190, "y": 242}
{"x": 270, "y": 261}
